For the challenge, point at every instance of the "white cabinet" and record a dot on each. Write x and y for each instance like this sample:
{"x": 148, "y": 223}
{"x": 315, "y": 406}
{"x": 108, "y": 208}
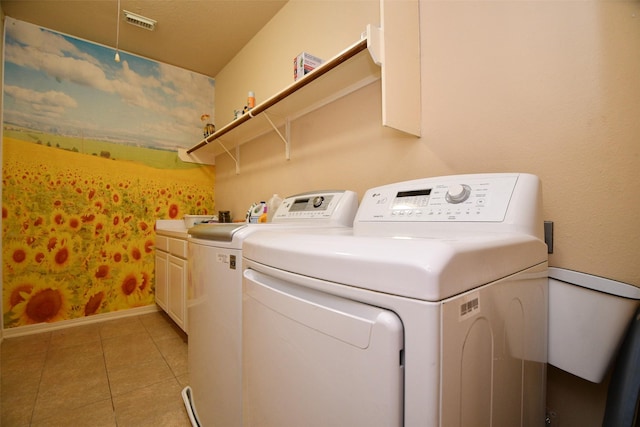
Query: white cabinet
{"x": 171, "y": 277}
{"x": 178, "y": 290}
{"x": 162, "y": 279}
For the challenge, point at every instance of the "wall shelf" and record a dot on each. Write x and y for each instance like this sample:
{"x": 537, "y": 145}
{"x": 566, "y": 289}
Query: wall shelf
{"x": 346, "y": 72}
{"x": 390, "y": 52}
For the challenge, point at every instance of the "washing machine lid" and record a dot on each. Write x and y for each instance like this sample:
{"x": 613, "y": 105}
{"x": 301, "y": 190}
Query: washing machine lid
{"x": 326, "y": 208}
{"x": 430, "y": 269}
{"x": 221, "y": 232}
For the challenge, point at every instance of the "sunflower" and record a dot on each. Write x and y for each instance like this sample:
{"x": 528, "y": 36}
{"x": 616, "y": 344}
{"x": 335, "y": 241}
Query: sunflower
{"x": 174, "y": 211}
{"x": 94, "y": 303}
{"x": 102, "y": 272}
{"x": 74, "y": 222}
{"x": 90, "y": 193}
{"x": 127, "y": 288}
{"x": 98, "y": 205}
{"x": 147, "y": 277}
{"x": 48, "y": 301}
{"x": 115, "y": 198}
{"x": 17, "y": 255}
{"x": 149, "y": 244}
{"x": 18, "y": 288}
{"x": 113, "y": 252}
{"x": 144, "y": 228}
{"x": 119, "y": 226}
{"x": 58, "y": 217}
{"x": 137, "y": 250}
{"x": 63, "y": 251}
{"x": 95, "y": 299}
{"x": 100, "y": 224}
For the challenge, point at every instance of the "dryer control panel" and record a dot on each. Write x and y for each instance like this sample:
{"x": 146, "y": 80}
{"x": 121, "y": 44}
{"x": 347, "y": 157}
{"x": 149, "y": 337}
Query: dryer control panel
{"x": 457, "y": 202}
{"x": 456, "y": 198}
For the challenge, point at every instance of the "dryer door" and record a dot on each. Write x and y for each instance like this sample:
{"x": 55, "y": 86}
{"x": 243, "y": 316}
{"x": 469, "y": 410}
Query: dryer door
{"x": 314, "y": 359}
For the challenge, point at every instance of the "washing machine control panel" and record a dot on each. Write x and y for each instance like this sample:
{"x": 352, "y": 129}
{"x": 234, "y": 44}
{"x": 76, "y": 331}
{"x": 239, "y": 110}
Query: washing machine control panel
{"x": 334, "y": 206}
{"x": 462, "y": 198}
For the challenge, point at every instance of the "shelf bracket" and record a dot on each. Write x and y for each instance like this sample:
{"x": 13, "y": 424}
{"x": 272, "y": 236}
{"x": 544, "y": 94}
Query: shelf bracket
{"x": 286, "y": 138}
{"x": 235, "y": 159}
{"x": 374, "y": 44}
{"x": 200, "y": 157}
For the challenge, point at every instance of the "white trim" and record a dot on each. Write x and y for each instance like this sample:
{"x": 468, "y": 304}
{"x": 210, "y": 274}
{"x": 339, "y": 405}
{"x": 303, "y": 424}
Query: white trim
{"x": 48, "y": 327}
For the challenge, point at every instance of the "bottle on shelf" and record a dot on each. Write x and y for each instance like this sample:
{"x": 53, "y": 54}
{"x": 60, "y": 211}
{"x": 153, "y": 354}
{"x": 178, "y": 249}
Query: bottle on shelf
{"x": 272, "y": 206}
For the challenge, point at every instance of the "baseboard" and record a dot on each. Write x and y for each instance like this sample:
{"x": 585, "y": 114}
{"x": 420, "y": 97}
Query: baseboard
{"x": 63, "y": 324}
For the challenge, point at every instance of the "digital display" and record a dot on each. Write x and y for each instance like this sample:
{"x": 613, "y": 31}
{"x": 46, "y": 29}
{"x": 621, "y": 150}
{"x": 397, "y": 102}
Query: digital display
{"x": 299, "y": 205}
{"x": 414, "y": 193}
{"x": 411, "y": 199}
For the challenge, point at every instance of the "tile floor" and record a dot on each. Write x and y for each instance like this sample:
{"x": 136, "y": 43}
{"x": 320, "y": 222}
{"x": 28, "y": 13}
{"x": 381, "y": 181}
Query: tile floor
{"x": 124, "y": 372}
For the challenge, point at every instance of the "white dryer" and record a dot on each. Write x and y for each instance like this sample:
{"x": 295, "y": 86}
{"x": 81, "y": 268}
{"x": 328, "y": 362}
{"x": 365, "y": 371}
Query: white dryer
{"x": 431, "y": 312}
{"x": 214, "y": 300}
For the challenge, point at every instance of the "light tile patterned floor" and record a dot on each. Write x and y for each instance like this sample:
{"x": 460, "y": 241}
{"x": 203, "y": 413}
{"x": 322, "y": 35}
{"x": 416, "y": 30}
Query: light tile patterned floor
{"x": 124, "y": 372}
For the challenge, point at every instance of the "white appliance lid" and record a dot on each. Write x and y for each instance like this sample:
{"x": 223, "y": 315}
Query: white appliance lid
{"x": 430, "y": 269}
{"x": 326, "y": 208}
{"x": 222, "y": 232}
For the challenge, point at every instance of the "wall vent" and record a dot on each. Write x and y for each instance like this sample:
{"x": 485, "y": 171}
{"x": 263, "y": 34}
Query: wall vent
{"x": 139, "y": 20}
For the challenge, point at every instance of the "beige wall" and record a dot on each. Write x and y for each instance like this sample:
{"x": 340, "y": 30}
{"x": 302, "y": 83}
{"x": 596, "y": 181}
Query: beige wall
{"x": 265, "y": 66}
{"x": 549, "y": 88}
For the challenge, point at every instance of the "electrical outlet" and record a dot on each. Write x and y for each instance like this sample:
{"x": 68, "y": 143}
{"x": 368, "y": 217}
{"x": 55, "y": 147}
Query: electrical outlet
{"x": 548, "y": 235}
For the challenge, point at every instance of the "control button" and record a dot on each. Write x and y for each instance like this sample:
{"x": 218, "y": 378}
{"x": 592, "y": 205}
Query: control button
{"x": 458, "y": 193}
{"x": 317, "y": 201}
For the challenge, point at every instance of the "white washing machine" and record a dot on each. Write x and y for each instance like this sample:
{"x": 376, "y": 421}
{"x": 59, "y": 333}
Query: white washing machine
{"x": 214, "y": 303}
{"x": 431, "y": 312}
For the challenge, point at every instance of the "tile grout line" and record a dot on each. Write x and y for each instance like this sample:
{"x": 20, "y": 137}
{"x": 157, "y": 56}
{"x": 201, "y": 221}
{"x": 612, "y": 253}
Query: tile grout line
{"x": 155, "y": 331}
{"x": 106, "y": 370}
{"x": 155, "y": 344}
{"x": 44, "y": 363}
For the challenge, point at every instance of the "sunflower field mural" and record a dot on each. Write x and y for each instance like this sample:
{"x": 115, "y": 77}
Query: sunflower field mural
{"x": 89, "y": 163}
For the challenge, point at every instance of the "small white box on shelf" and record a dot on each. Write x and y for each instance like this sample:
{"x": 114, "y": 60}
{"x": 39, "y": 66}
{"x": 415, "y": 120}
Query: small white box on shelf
{"x": 303, "y": 64}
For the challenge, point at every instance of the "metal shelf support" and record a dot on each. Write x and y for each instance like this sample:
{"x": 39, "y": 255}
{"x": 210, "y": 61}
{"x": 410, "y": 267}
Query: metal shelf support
{"x": 287, "y": 136}
{"x": 235, "y": 159}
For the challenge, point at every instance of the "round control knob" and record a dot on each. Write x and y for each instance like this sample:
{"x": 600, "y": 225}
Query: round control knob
{"x": 317, "y": 201}
{"x": 458, "y": 193}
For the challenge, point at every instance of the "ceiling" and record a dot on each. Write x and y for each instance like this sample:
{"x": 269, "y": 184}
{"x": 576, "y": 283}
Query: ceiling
{"x": 198, "y": 35}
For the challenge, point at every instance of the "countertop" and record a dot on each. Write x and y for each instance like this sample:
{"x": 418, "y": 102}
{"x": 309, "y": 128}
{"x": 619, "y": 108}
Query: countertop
{"x": 171, "y": 228}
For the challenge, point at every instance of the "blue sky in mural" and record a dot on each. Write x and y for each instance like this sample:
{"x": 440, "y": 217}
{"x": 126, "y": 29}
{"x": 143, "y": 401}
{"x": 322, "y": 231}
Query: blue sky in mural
{"x": 63, "y": 85}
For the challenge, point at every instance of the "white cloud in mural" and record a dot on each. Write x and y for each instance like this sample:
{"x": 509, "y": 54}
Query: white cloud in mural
{"x": 135, "y": 99}
{"x": 45, "y": 41}
{"x": 50, "y": 101}
{"x": 65, "y": 68}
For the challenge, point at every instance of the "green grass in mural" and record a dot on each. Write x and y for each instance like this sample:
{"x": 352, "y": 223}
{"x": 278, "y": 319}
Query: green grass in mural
{"x": 157, "y": 158}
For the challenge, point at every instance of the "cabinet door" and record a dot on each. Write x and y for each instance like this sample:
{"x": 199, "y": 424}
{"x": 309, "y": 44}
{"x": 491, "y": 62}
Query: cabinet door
{"x": 162, "y": 280}
{"x": 177, "y": 291}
